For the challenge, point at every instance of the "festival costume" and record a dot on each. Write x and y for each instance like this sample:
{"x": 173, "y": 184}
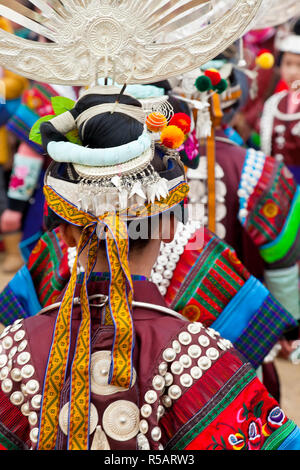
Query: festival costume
{"x": 281, "y": 115}
{"x": 25, "y": 193}
{"x": 141, "y": 377}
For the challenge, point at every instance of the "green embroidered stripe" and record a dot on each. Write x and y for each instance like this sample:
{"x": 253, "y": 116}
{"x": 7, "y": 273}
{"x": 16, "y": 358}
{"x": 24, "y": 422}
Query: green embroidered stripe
{"x": 202, "y": 424}
{"x": 262, "y": 223}
{"x": 211, "y": 296}
{"x": 278, "y": 436}
{"x": 7, "y": 443}
{"x": 280, "y": 247}
{"x": 215, "y": 253}
{"x": 227, "y": 277}
{"x": 207, "y": 306}
{"x": 220, "y": 288}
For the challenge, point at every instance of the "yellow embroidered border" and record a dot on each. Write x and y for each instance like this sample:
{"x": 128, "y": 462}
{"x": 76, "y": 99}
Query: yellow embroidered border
{"x": 120, "y": 307}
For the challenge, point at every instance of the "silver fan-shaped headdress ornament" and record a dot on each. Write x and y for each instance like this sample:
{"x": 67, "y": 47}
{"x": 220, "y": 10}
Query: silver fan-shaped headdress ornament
{"x": 128, "y": 40}
{"x": 275, "y": 12}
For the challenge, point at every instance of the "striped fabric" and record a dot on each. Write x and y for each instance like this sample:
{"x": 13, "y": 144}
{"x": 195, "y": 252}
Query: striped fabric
{"x": 206, "y": 281}
{"x": 48, "y": 266}
{"x": 269, "y": 204}
{"x": 263, "y": 331}
{"x": 14, "y": 426}
{"x": 11, "y": 308}
{"x": 29, "y": 112}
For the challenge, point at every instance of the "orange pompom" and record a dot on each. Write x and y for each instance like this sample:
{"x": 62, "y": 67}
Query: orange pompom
{"x": 156, "y": 122}
{"x": 181, "y": 120}
{"x": 172, "y": 137}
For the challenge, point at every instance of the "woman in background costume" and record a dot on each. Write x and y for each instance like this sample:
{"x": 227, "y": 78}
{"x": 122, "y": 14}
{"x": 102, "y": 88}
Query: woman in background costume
{"x": 12, "y": 88}
{"x": 280, "y": 122}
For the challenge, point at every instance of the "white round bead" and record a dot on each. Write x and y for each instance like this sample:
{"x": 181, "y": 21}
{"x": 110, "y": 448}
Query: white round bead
{"x": 16, "y": 327}
{"x": 27, "y": 371}
{"x": 156, "y": 434}
{"x": 36, "y": 401}
{"x": 4, "y": 372}
{"x": 212, "y": 333}
{"x": 194, "y": 328}
{"x": 160, "y": 412}
{"x": 7, "y": 342}
{"x": 212, "y": 353}
{"x": 168, "y": 379}
{"x": 12, "y": 352}
{"x": 3, "y": 360}
{"x": 174, "y": 257}
{"x": 185, "y": 360}
{"x": 32, "y": 387}
{"x": 162, "y": 260}
{"x": 22, "y": 345}
{"x": 7, "y": 385}
{"x": 185, "y": 338}
{"x": 25, "y": 409}
{"x": 204, "y": 363}
{"x": 166, "y": 400}
{"x": 186, "y": 380}
{"x": 16, "y": 374}
{"x": 33, "y": 418}
{"x": 143, "y": 443}
{"x": 221, "y": 345}
{"x": 146, "y": 411}
{"x": 196, "y": 372}
{"x": 34, "y": 435}
{"x": 157, "y": 278}
{"x": 176, "y": 367}
{"x": 174, "y": 392}
{"x": 162, "y": 290}
{"x": 169, "y": 355}
{"x": 23, "y": 358}
{"x": 168, "y": 274}
{"x": 176, "y": 346}
{"x": 144, "y": 426}
{"x": 19, "y": 335}
{"x": 158, "y": 382}
{"x": 150, "y": 397}
{"x": 162, "y": 368}
{"x": 203, "y": 341}
{"x": 194, "y": 351}
{"x": 17, "y": 398}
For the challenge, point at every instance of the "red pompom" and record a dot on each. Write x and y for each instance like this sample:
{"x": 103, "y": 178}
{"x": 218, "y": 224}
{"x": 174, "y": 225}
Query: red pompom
{"x": 214, "y": 76}
{"x": 264, "y": 51}
{"x": 181, "y": 120}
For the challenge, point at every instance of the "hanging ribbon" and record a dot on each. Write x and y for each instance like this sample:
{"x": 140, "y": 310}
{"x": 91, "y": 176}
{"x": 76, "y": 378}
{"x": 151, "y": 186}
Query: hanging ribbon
{"x": 120, "y": 307}
{"x": 120, "y": 304}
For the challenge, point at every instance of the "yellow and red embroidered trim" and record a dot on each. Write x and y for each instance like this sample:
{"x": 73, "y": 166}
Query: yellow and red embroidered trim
{"x": 120, "y": 304}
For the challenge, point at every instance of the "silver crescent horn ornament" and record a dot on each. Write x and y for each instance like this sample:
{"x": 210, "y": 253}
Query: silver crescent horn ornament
{"x": 127, "y": 40}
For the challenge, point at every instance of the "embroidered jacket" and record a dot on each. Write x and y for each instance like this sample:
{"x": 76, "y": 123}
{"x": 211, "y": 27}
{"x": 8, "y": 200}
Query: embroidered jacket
{"x": 191, "y": 388}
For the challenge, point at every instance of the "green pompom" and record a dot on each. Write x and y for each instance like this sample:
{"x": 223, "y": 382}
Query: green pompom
{"x": 222, "y": 86}
{"x": 203, "y": 83}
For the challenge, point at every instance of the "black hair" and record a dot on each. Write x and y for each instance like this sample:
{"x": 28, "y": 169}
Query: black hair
{"x": 101, "y": 131}
{"x": 296, "y": 27}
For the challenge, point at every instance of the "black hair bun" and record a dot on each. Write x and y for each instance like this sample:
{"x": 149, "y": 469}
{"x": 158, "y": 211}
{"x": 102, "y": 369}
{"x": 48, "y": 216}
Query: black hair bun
{"x": 296, "y": 28}
{"x": 103, "y": 130}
